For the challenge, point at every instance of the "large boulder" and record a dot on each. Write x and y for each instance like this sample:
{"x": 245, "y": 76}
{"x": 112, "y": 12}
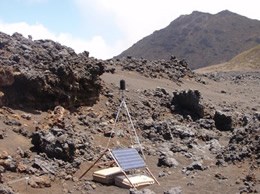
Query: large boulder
{"x": 187, "y": 102}
{"x": 44, "y": 73}
{"x": 223, "y": 121}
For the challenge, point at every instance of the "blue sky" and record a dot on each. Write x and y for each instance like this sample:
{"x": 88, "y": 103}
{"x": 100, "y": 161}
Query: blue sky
{"x": 105, "y": 28}
{"x": 50, "y": 14}
{"x": 56, "y": 15}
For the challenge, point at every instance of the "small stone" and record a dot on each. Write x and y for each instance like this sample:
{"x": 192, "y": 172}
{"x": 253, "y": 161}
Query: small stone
{"x": 75, "y": 179}
{"x": 93, "y": 186}
{"x": 39, "y": 182}
{"x": 68, "y": 177}
{"x": 195, "y": 166}
{"x": 162, "y": 174}
{"x": 220, "y": 176}
{"x": 21, "y": 167}
{"x": 4, "y": 155}
{"x": 2, "y": 135}
{"x": 26, "y": 116}
{"x": 174, "y": 190}
{"x": 2, "y": 169}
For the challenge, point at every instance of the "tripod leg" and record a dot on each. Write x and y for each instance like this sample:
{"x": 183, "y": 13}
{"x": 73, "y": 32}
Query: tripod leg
{"x": 117, "y": 116}
{"x": 133, "y": 128}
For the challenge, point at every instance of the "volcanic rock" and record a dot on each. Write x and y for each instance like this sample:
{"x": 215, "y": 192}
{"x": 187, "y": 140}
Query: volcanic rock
{"x": 195, "y": 166}
{"x": 2, "y": 99}
{"x": 172, "y": 69}
{"x": 50, "y": 143}
{"x": 45, "y": 165}
{"x": 39, "y": 182}
{"x": 223, "y": 121}
{"x": 174, "y": 190}
{"x": 9, "y": 164}
{"x": 43, "y": 73}
{"x": 6, "y": 190}
{"x": 144, "y": 191}
{"x": 188, "y": 103}
{"x": 167, "y": 160}
{"x": 6, "y": 77}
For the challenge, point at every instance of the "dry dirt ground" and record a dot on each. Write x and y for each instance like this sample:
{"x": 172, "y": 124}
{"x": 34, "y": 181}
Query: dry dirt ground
{"x": 243, "y": 97}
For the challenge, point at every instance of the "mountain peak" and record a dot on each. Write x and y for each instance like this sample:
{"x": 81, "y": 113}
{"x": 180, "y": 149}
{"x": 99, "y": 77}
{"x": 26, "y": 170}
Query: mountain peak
{"x": 200, "y": 38}
{"x": 225, "y": 12}
{"x": 198, "y": 13}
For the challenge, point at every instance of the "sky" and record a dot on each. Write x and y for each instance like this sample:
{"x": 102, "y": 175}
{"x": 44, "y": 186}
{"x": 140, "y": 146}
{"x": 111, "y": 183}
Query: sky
{"x": 105, "y": 28}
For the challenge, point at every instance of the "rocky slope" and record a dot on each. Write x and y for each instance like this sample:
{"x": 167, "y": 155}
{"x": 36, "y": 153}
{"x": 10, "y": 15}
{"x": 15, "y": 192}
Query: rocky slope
{"x": 198, "y": 132}
{"x": 202, "y": 39}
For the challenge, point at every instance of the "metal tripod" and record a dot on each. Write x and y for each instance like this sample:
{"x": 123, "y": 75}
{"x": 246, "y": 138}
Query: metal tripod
{"x": 121, "y": 106}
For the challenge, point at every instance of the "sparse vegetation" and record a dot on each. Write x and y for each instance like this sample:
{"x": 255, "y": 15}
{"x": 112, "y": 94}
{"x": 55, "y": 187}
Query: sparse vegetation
{"x": 246, "y": 61}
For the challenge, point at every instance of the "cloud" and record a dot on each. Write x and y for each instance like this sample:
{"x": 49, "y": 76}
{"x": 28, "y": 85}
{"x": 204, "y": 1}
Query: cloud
{"x": 96, "y": 45}
{"x": 135, "y": 19}
{"x": 37, "y": 31}
{"x": 139, "y": 18}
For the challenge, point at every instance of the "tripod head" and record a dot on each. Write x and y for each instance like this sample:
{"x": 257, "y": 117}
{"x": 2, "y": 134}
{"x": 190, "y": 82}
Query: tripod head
{"x": 122, "y": 84}
{"x": 122, "y": 87}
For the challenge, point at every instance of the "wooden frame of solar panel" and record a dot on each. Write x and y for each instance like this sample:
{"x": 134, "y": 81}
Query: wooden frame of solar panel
{"x": 129, "y": 159}
{"x": 126, "y": 159}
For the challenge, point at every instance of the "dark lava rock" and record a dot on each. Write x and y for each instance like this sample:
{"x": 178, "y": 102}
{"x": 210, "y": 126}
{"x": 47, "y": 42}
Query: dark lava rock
{"x": 206, "y": 123}
{"x": 44, "y": 73}
{"x": 6, "y": 190}
{"x": 12, "y": 122}
{"x": 167, "y": 160}
{"x": 2, "y": 135}
{"x": 195, "y": 166}
{"x": 143, "y": 191}
{"x": 9, "y": 164}
{"x": 243, "y": 144}
{"x": 223, "y": 121}
{"x": 45, "y": 166}
{"x": 54, "y": 145}
{"x": 174, "y": 190}
{"x": 187, "y": 103}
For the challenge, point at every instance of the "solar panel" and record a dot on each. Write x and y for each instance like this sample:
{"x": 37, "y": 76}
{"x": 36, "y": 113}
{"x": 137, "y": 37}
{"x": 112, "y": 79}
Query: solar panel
{"x": 128, "y": 158}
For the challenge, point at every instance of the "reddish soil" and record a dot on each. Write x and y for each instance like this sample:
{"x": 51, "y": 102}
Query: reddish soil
{"x": 243, "y": 97}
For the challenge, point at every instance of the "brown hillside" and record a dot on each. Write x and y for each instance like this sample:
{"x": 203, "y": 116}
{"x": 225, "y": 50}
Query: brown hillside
{"x": 201, "y": 38}
{"x": 246, "y": 61}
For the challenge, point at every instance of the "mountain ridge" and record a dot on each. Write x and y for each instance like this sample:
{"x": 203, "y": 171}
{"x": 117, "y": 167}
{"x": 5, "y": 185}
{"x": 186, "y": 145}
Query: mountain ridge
{"x": 200, "y": 38}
